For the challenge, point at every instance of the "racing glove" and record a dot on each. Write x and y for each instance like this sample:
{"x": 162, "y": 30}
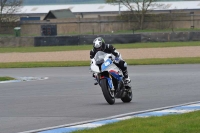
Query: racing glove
{"x": 117, "y": 59}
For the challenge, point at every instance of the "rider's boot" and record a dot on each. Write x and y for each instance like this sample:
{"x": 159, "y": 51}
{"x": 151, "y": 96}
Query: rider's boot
{"x": 127, "y": 80}
{"x": 94, "y": 76}
{"x": 126, "y": 77}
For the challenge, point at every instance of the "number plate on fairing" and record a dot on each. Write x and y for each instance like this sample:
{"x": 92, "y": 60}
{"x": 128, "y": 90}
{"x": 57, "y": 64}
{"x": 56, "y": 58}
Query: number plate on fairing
{"x": 106, "y": 64}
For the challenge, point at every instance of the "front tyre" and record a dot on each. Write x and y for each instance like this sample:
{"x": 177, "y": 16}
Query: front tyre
{"x": 128, "y": 96}
{"x": 108, "y": 94}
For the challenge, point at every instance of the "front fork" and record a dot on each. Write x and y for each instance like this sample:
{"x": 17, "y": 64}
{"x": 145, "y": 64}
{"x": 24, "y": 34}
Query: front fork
{"x": 109, "y": 79}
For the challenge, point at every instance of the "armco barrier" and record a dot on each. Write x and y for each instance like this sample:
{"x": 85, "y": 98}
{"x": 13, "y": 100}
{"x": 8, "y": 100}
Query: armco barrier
{"x": 56, "y": 41}
{"x": 112, "y": 39}
{"x": 154, "y": 37}
{"x": 118, "y": 39}
{"x": 16, "y": 41}
{"x": 85, "y": 39}
{"x": 88, "y": 39}
{"x": 170, "y": 37}
{"x": 194, "y": 36}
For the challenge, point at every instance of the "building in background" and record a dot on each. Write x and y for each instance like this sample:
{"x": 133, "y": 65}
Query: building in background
{"x": 67, "y": 2}
{"x": 59, "y": 14}
{"x": 93, "y": 8}
{"x": 91, "y": 16}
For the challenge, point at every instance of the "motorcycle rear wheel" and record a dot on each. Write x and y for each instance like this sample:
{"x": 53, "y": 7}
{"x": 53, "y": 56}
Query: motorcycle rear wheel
{"x": 108, "y": 95}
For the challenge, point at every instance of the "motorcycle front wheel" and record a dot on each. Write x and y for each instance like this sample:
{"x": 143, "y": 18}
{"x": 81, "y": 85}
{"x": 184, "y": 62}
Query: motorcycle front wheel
{"x": 108, "y": 94}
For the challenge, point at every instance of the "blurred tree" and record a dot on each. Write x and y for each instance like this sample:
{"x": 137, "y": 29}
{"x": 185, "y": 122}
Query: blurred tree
{"x": 8, "y": 8}
{"x": 137, "y": 8}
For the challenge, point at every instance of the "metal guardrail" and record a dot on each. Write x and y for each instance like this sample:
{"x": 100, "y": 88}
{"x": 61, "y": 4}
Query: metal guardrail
{"x": 117, "y": 39}
{"x": 85, "y": 39}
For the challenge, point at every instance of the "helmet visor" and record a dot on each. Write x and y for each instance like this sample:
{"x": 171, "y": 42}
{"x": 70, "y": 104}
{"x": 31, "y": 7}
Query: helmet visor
{"x": 98, "y": 49}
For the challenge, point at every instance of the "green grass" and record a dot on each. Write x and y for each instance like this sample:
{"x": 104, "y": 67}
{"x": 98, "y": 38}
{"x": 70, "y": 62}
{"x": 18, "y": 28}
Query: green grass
{"x": 7, "y": 35}
{"x": 181, "y": 123}
{"x": 156, "y": 45}
{"x": 155, "y": 30}
{"x": 159, "y": 61}
{"x": 89, "y": 47}
{"x": 6, "y": 78}
{"x": 191, "y": 60}
{"x": 44, "y": 64}
{"x": 131, "y": 31}
{"x": 44, "y": 49}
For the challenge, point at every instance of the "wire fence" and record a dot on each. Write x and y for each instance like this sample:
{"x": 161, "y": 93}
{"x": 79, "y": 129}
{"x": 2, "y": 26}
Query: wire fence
{"x": 107, "y": 25}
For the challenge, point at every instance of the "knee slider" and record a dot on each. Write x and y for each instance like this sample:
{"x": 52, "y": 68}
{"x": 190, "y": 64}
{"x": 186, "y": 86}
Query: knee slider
{"x": 125, "y": 64}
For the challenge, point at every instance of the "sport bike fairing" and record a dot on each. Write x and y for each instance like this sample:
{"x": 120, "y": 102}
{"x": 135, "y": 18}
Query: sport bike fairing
{"x": 104, "y": 59}
{"x": 112, "y": 69}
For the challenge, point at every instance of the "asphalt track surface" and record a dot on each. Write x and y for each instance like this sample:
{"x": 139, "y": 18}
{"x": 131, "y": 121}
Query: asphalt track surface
{"x": 69, "y": 96}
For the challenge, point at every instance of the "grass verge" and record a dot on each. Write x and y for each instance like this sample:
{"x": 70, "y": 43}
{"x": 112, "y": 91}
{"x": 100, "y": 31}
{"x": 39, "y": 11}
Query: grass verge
{"x": 192, "y": 60}
{"x": 155, "y": 30}
{"x": 89, "y": 47}
{"x": 6, "y": 78}
{"x": 181, "y": 123}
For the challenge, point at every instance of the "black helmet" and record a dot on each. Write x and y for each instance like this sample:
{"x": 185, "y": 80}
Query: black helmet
{"x": 99, "y": 44}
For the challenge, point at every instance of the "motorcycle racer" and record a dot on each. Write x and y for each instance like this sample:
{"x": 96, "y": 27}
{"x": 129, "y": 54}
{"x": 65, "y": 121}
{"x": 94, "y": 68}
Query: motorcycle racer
{"x": 100, "y": 45}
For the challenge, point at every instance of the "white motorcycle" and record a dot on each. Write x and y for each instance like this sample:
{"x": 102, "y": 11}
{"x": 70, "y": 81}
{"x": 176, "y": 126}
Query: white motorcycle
{"x": 110, "y": 78}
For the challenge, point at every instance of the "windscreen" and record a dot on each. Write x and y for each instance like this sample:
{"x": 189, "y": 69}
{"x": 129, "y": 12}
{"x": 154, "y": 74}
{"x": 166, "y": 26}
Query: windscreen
{"x": 99, "y": 57}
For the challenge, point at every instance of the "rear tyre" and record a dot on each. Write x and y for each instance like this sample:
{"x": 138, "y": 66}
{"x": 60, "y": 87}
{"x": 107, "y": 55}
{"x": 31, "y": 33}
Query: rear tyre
{"x": 128, "y": 96}
{"x": 108, "y": 94}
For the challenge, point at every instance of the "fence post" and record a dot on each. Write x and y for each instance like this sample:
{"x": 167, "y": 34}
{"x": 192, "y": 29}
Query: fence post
{"x": 79, "y": 25}
{"x": 192, "y": 20}
{"x": 99, "y": 23}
